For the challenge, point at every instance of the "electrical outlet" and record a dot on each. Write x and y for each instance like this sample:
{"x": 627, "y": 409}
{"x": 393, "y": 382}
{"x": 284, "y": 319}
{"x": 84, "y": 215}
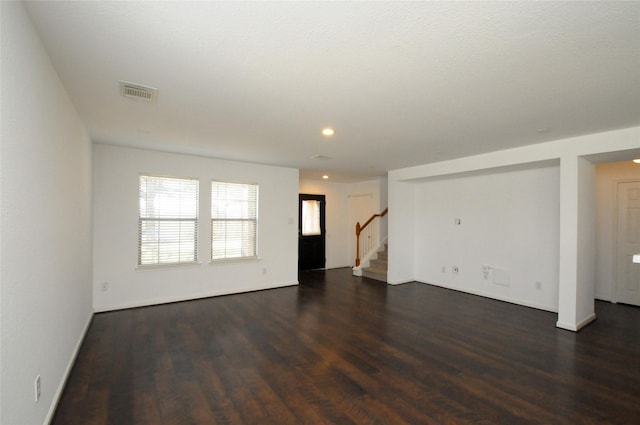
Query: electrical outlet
{"x": 264, "y": 270}
{"x": 455, "y": 270}
{"x": 104, "y": 286}
{"x": 444, "y": 269}
{"x": 37, "y": 388}
{"x": 538, "y": 285}
{"x": 485, "y": 271}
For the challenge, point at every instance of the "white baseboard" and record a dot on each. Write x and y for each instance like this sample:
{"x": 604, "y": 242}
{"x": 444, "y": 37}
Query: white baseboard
{"x": 576, "y": 327}
{"x": 168, "y": 300}
{"x": 584, "y": 322}
{"x": 399, "y": 282}
{"x": 566, "y": 326}
{"x": 496, "y": 297}
{"x": 67, "y": 372}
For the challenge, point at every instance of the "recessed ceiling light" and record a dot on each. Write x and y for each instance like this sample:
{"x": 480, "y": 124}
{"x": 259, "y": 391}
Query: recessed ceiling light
{"x": 637, "y": 160}
{"x": 325, "y": 177}
{"x": 328, "y": 131}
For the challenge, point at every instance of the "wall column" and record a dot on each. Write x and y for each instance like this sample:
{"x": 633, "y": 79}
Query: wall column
{"x": 401, "y": 232}
{"x": 577, "y": 243}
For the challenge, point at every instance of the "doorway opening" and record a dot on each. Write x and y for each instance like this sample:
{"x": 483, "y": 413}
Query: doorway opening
{"x": 617, "y": 180}
{"x": 627, "y": 273}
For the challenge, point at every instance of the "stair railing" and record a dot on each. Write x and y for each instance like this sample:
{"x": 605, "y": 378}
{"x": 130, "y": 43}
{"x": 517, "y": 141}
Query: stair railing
{"x": 367, "y": 232}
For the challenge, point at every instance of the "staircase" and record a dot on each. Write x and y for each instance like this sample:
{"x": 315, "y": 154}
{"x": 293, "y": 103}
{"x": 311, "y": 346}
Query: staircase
{"x": 377, "y": 267}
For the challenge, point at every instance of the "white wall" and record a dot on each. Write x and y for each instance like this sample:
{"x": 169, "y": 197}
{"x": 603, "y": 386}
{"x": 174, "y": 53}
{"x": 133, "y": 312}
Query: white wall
{"x": 577, "y": 243}
{"x": 586, "y": 242}
{"x": 384, "y": 203}
{"x": 339, "y": 233}
{"x": 46, "y": 225}
{"x": 607, "y": 177}
{"x": 377, "y": 187}
{"x": 116, "y": 171}
{"x": 509, "y": 220}
{"x": 402, "y": 250}
{"x": 576, "y": 231}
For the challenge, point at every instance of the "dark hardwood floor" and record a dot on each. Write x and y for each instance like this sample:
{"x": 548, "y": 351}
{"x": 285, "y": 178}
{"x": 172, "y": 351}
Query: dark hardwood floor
{"x": 345, "y": 350}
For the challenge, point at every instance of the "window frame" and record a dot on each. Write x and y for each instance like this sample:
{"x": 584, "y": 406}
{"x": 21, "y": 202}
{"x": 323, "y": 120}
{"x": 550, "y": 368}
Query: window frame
{"x": 254, "y": 220}
{"x": 144, "y": 219}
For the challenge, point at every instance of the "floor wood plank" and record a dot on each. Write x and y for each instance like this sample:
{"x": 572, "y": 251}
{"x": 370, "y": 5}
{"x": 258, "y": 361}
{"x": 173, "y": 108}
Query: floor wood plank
{"x": 340, "y": 349}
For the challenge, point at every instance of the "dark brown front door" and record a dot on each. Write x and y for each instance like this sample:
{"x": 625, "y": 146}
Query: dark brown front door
{"x": 311, "y": 232}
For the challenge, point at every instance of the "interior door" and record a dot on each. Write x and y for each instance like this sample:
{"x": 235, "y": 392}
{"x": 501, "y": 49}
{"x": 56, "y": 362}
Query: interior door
{"x": 628, "y": 243}
{"x": 311, "y": 232}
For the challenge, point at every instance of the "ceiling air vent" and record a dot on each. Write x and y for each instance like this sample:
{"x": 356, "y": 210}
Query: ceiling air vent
{"x": 138, "y": 92}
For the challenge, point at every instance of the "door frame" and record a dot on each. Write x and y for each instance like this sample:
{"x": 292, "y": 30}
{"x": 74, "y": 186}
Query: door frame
{"x": 614, "y": 260}
{"x": 323, "y": 227}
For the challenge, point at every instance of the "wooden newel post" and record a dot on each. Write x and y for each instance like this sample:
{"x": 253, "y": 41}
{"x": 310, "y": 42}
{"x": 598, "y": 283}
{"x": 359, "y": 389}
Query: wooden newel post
{"x": 358, "y": 229}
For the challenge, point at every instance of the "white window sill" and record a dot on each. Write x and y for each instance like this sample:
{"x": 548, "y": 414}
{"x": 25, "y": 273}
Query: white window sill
{"x": 234, "y": 260}
{"x": 151, "y": 267}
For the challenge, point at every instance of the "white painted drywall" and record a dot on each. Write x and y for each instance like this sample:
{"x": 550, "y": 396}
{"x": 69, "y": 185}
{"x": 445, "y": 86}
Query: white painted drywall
{"x": 377, "y": 187}
{"x": 45, "y": 224}
{"x": 509, "y": 221}
{"x": 591, "y": 144}
{"x": 401, "y": 232}
{"x": 337, "y": 220}
{"x": 577, "y": 243}
{"x": 607, "y": 177}
{"x": 568, "y": 273}
{"x": 384, "y": 203}
{"x": 116, "y": 171}
{"x": 586, "y": 225}
{"x": 577, "y": 188}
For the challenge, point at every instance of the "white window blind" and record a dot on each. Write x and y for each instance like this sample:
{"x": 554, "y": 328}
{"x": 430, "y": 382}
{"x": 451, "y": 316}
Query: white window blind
{"x": 234, "y": 220}
{"x": 168, "y": 220}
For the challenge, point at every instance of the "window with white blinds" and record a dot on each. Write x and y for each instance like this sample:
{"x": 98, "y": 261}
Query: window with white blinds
{"x": 168, "y": 220}
{"x": 234, "y": 220}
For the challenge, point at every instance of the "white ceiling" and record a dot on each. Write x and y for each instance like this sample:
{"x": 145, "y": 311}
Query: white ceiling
{"x": 402, "y": 83}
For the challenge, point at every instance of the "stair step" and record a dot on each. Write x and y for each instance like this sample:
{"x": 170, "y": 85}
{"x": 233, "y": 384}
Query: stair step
{"x": 378, "y": 264}
{"x": 377, "y": 269}
{"x": 376, "y": 274}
